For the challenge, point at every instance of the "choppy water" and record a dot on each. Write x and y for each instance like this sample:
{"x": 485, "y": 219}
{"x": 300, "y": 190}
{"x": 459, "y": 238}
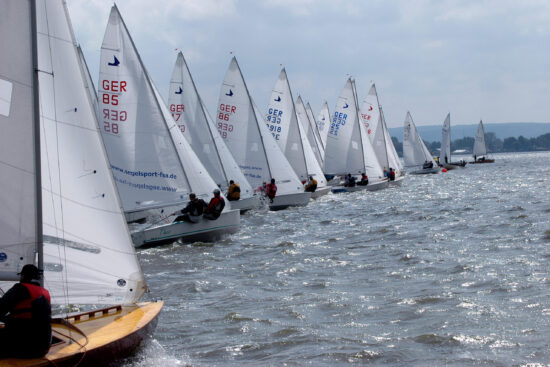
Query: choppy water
{"x": 449, "y": 269}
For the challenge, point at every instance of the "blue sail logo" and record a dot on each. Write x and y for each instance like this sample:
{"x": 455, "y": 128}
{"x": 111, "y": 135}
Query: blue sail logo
{"x": 278, "y": 99}
{"x": 346, "y": 106}
{"x": 230, "y": 94}
{"x": 179, "y": 91}
{"x": 114, "y": 63}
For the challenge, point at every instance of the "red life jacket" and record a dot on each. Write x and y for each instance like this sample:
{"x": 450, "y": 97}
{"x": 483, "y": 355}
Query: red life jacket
{"x": 23, "y": 309}
{"x": 271, "y": 190}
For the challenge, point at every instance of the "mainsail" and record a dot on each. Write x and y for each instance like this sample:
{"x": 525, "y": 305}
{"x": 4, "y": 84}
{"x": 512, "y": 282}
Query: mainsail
{"x": 480, "y": 148}
{"x": 415, "y": 152}
{"x": 445, "y": 152}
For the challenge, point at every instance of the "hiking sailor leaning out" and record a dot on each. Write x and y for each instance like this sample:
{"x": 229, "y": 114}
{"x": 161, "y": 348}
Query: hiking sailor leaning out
{"x": 28, "y": 324}
{"x": 193, "y": 211}
{"x": 215, "y": 207}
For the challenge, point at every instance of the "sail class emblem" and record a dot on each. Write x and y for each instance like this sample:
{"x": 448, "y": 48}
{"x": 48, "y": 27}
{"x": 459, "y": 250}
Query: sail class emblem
{"x": 114, "y": 63}
{"x": 370, "y": 108}
{"x": 346, "y": 106}
{"x": 230, "y": 94}
{"x": 179, "y": 91}
{"x": 278, "y": 99}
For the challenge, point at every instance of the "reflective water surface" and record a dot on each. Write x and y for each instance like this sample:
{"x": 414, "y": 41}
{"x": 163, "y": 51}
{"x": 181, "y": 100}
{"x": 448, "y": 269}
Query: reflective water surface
{"x": 449, "y": 269}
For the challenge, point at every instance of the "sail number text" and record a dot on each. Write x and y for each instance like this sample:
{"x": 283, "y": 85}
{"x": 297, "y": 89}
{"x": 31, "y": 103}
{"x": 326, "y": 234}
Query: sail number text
{"x": 273, "y": 119}
{"x": 177, "y": 111}
{"x": 224, "y": 113}
{"x": 112, "y": 90}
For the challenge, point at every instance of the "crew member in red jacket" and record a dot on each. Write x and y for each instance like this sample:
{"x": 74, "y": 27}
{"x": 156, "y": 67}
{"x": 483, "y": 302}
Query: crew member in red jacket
{"x": 26, "y": 311}
{"x": 215, "y": 207}
{"x": 271, "y": 190}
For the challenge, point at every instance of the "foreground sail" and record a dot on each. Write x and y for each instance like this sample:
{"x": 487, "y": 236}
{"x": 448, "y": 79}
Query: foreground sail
{"x": 445, "y": 152}
{"x": 480, "y": 148}
{"x": 348, "y": 149}
{"x": 251, "y": 142}
{"x": 416, "y": 155}
{"x": 152, "y": 162}
{"x": 66, "y": 181}
{"x": 200, "y": 131}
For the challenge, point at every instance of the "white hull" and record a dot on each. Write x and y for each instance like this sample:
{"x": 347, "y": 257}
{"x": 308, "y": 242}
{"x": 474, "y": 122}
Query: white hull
{"x": 338, "y": 189}
{"x": 284, "y": 201}
{"x": 245, "y": 204}
{"x": 398, "y": 180}
{"x": 204, "y": 230}
{"x": 378, "y": 185}
{"x": 424, "y": 171}
{"x": 320, "y": 192}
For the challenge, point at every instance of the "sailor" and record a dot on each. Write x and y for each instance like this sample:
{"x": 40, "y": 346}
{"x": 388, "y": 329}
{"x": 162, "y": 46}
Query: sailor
{"x": 193, "y": 211}
{"x": 364, "y": 180}
{"x": 234, "y": 191}
{"x": 311, "y": 185}
{"x": 392, "y": 174}
{"x": 28, "y": 324}
{"x": 271, "y": 190}
{"x": 350, "y": 181}
{"x": 215, "y": 207}
{"x": 386, "y": 173}
{"x": 262, "y": 189}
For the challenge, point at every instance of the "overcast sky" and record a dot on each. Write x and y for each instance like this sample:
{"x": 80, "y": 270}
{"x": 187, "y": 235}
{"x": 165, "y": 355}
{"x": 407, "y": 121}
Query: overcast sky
{"x": 474, "y": 59}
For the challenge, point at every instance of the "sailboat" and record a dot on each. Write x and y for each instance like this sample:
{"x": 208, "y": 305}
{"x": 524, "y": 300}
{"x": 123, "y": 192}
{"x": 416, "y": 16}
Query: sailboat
{"x": 197, "y": 126}
{"x": 255, "y": 149}
{"x": 445, "y": 152}
{"x": 323, "y": 124}
{"x": 316, "y": 135}
{"x": 60, "y": 208}
{"x": 371, "y": 111}
{"x": 480, "y": 148}
{"x": 151, "y": 160}
{"x": 416, "y": 155}
{"x": 348, "y": 149}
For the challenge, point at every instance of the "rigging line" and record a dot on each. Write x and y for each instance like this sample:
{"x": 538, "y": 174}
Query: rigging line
{"x": 64, "y": 258}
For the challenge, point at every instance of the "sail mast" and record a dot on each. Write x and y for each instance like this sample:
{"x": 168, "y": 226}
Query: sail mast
{"x": 356, "y": 102}
{"x": 36, "y": 137}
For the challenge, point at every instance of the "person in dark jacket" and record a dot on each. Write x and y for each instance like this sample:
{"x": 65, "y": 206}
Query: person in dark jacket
{"x": 26, "y": 312}
{"x": 193, "y": 211}
{"x": 215, "y": 207}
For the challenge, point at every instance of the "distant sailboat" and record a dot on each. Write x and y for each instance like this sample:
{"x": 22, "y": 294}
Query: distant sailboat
{"x": 480, "y": 148}
{"x": 252, "y": 144}
{"x": 319, "y": 145}
{"x": 200, "y": 131}
{"x": 151, "y": 160}
{"x": 416, "y": 155}
{"x": 348, "y": 149}
{"x": 445, "y": 152}
{"x": 323, "y": 123}
{"x": 60, "y": 209}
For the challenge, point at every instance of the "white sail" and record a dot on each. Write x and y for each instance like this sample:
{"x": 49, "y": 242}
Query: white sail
{"x": 445, "y": 152}
{"x": 313, "y": 167}
{"x": 480, "y": 148}
{"x": 89, "y": 256}
{"x": 393, "y": 158}
{"x": 373, "y": 169}
{"x": 19, "y": 194}
{"x": 370, "y": 112}
{"x": 319, "y": 146}
{"x": 415, "y": 152}
{"x": 200, "y": 131}
{"x": 242, "y": 126}
{"x": 323, "y": 123}
{"x": 344, "y": 151}
{"x": 303, "y": 118}
{"x": 379, "y": 145}
{"x": 282, "y": 122}
{"x": 89, "y": 82}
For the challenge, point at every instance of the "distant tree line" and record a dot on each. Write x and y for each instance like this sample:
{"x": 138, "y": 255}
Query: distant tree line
{"x": 494, "y": 144}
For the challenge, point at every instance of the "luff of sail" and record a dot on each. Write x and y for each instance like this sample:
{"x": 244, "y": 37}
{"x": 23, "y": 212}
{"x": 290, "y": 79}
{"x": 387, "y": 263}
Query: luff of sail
{"x": 20, "y": 222}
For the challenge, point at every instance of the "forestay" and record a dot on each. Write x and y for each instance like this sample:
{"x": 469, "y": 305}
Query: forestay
{"x": 88, "y": 254}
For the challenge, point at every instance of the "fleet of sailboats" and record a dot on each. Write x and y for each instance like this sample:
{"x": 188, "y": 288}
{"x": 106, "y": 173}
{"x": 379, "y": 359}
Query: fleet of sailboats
{"x": 78, "y": 164}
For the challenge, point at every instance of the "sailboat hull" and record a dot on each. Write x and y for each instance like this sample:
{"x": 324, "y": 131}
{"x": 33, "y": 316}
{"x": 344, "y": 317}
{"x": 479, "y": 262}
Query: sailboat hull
{"x": 246, "y": 204}
{"x": 485, "y": 161}
{"x": 100, "y": 339}
{"x": 378, "y": 185}
{"x": 398, "y": 181}
{"x": 425, "y": 171}
{"x": 339, "y": 189}
{"x": 320, "y": 192}
{"x": 204, "y": 230}
{"x": 284, "y": 201}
